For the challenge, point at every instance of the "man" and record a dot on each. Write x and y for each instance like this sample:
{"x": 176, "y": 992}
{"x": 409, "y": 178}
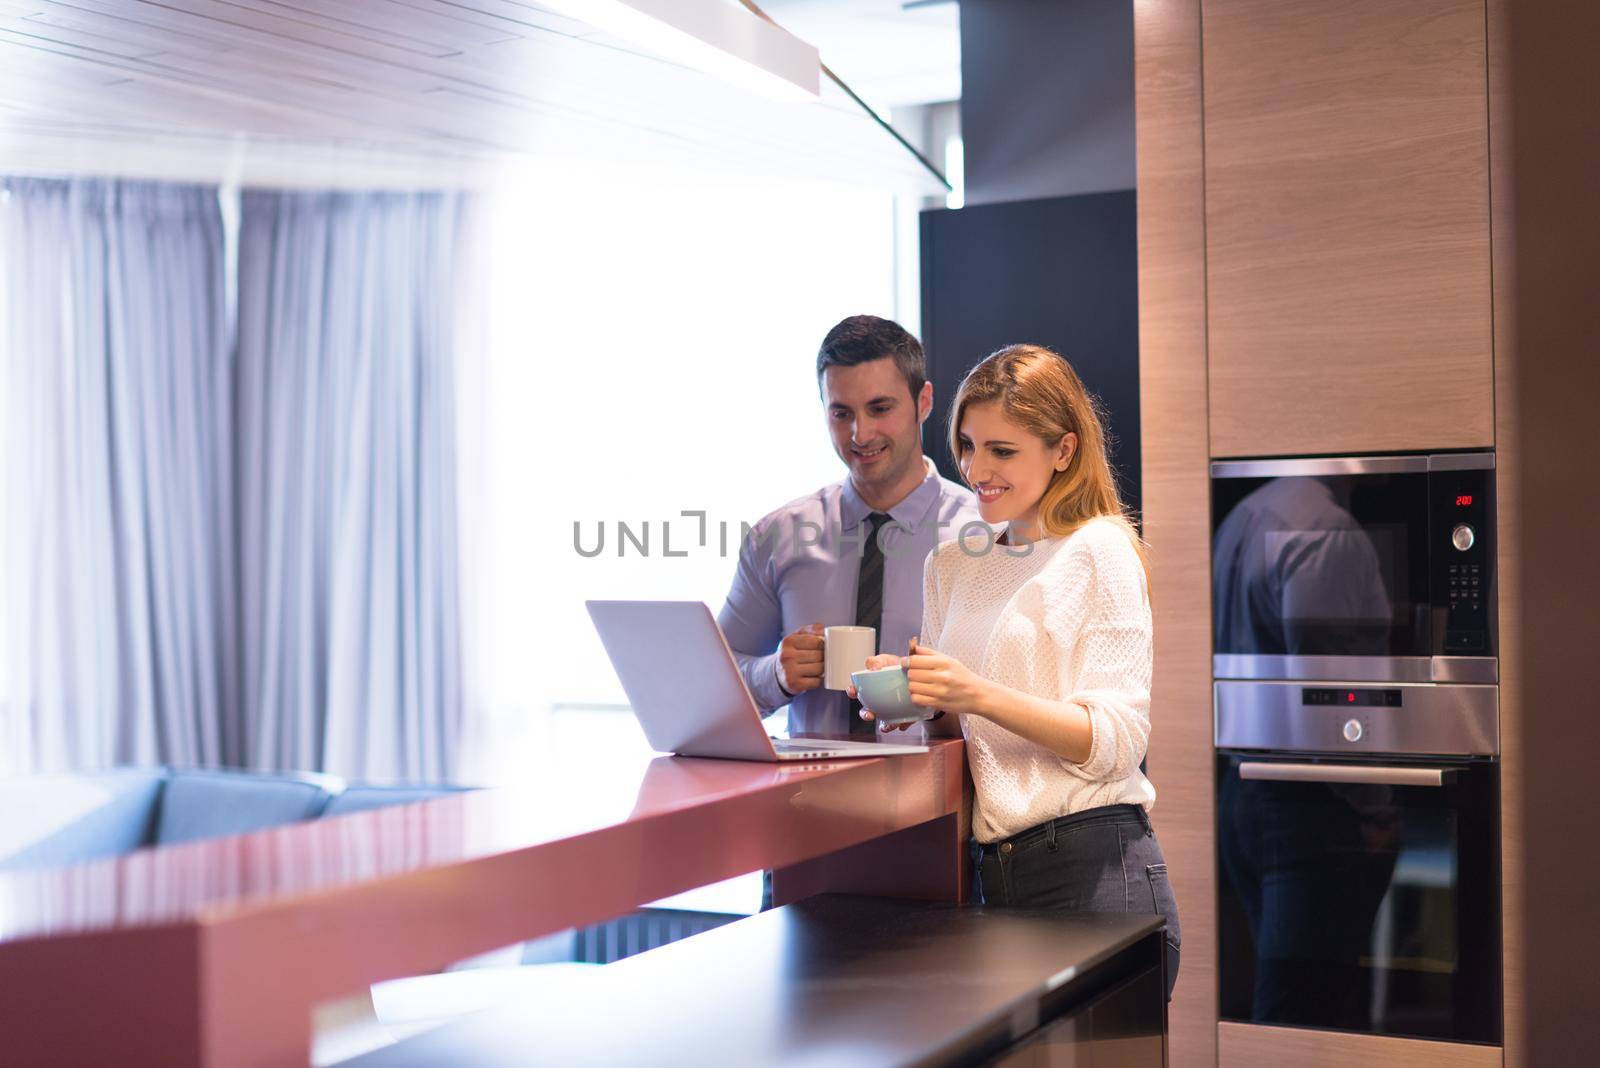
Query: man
{"x": 851, "y": 552}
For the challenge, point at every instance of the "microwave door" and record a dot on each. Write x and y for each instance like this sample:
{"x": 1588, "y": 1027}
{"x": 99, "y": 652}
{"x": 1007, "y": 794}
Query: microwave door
{"x": 1320, "y": 574}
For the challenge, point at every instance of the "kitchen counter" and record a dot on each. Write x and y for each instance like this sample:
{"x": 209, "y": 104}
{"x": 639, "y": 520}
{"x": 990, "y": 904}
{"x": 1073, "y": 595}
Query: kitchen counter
{"x": 847, "y": 982}
{"x": 215, "y": 952}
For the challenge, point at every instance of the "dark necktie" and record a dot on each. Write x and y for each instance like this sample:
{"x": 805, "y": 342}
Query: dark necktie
{"x": 869, "y": 603}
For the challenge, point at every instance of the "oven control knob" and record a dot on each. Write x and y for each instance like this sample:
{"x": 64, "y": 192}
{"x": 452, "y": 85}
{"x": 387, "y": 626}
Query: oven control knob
{"x": 1352, "y": 731}
{"x": 1462, "y": 537}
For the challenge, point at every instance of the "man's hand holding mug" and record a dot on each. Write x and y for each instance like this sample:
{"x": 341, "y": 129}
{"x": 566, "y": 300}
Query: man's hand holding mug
{"x": 800, "y": 660}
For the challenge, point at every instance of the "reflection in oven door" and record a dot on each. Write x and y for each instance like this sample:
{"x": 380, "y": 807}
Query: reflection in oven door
{"x": 1360, "y": 896}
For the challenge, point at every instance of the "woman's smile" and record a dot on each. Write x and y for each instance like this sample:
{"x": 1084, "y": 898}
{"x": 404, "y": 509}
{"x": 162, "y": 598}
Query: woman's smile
{"x": 990, "y": 494}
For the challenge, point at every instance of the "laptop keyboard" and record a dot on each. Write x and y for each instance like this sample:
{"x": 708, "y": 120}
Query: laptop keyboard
{"x": 812, "y": 745}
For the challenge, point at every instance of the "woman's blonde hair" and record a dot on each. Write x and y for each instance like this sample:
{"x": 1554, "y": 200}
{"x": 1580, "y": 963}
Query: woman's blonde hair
{"x": 1039, "y": 391}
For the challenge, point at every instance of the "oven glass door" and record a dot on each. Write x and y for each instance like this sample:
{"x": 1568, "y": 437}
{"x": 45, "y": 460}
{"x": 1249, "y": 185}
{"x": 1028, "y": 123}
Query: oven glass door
{"x": 1360, "y": 896}
{"x": 1321, "y": 565}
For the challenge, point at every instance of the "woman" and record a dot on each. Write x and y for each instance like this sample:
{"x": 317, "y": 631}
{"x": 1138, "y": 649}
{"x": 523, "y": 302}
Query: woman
{"x": 1041, "y": 651}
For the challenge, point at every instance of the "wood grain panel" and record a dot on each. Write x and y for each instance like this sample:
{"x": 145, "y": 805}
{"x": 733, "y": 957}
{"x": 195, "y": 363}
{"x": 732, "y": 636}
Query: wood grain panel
{"x": 1545, "y": 289}
{"x": 1172, "y": 388}
{"x": 421, "y": 24}
{"x": 1347, "y": 220}
{"x": 1508, "y": 573}
{"x": 1246, "y": 1044}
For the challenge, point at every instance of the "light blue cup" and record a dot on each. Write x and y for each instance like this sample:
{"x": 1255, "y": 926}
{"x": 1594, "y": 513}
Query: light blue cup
{"x": 886, "y": 693}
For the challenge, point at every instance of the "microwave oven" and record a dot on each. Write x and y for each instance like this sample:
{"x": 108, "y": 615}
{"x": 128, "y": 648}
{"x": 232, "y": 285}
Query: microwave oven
{"x": 1363, "y": 568}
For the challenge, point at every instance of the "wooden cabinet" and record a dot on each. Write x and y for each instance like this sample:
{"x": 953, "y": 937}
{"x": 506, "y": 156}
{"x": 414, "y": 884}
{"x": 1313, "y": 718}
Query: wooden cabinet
{"x": 1245, "y": 1044}
{"x": 1177, "y": 522}
{"x": 1347, "y": 226}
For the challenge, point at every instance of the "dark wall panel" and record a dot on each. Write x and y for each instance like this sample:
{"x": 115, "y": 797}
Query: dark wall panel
{"x": 1046, "y": 98}
{"x": 1059, "y": 272}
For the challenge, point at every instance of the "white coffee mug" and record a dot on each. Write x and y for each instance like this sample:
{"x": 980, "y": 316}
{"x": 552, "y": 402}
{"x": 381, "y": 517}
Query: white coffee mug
{"x": 845, "y": 649}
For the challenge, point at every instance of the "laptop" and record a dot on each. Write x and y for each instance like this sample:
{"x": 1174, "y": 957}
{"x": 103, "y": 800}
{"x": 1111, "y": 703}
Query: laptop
{"x": 686, "y": 690}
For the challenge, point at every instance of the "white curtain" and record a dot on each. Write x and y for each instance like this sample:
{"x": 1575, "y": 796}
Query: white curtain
{"x": 117, "y": 600}
{"x": 347, "y": 513}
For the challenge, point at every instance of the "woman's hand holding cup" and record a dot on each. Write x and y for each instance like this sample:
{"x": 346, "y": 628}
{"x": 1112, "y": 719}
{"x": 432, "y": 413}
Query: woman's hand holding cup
{"x": 883, "y": 660}
{"x": 874, "y": 662}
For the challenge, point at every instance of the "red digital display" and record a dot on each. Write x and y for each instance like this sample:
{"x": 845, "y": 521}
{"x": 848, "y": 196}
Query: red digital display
{"x": 1359, "y": 698}
{"x": 1463, "y": 500}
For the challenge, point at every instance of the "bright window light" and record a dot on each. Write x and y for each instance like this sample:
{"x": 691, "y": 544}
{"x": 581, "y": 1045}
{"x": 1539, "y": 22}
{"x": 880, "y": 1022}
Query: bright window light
{"x": 650, "y": 351}
{"x": 955, "y": 172}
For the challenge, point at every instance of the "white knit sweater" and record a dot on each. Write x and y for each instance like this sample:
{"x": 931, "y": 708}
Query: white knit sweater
{"x": 1068, "y": 620}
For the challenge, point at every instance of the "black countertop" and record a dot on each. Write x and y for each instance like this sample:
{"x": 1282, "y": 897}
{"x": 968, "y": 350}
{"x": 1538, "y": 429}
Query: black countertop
{"x": 832, "y": 980}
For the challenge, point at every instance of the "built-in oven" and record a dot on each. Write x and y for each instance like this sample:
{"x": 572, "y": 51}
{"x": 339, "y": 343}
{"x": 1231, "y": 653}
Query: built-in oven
{"x": 1366, "y": 568}
{"x": 1358, "y": 884}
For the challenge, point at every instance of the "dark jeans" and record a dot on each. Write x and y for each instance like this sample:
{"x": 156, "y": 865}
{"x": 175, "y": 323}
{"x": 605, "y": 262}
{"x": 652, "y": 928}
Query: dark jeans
{"x": 1101, "y": 860}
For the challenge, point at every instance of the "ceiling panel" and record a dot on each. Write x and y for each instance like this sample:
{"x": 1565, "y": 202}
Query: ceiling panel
{"x": 433, "y": 26}
{"x": 449, "y": 89}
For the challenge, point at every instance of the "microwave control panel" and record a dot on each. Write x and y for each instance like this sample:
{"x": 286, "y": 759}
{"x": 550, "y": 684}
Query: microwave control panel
{"x": 1461, "y": 532}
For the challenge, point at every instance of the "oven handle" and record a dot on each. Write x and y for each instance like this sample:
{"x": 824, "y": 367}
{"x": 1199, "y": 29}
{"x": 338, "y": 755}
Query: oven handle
{"x": 1366, "y": 774}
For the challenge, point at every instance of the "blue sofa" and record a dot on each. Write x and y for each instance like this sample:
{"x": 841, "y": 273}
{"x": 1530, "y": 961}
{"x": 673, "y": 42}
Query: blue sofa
{"x": 51, "y": 820}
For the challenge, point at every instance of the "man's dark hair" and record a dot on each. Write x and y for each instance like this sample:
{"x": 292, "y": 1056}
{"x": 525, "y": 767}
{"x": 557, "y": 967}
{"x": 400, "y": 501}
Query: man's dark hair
{"x": 863, "y": 338}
